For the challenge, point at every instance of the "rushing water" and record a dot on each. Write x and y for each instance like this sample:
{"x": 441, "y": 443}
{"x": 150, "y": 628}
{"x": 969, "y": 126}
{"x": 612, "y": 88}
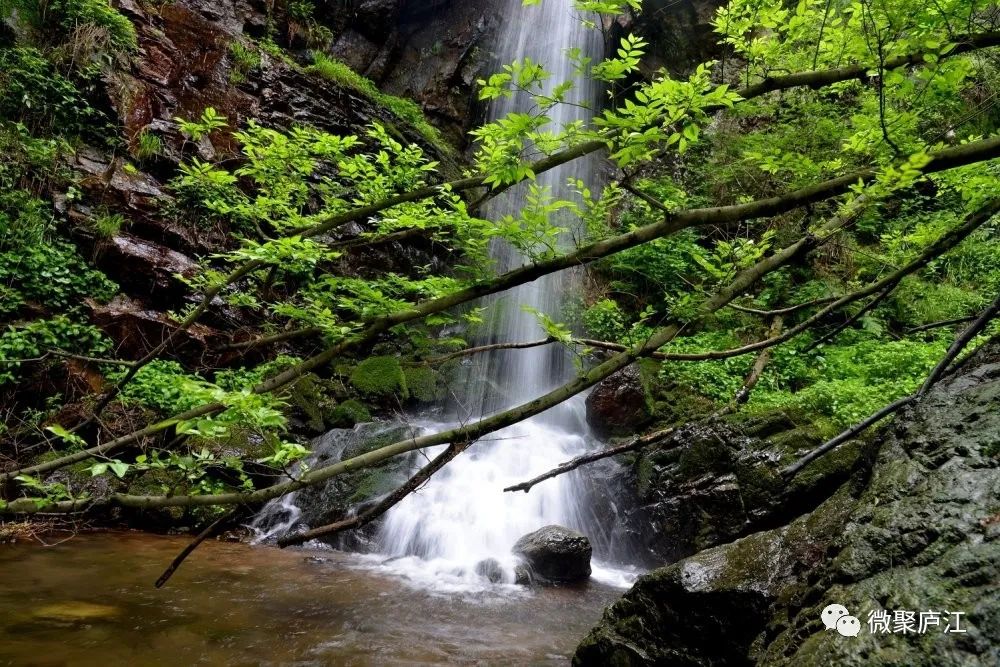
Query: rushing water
{"x": 437, "y": 536}
{"x": 463, "y": 516}
{"x": 91, "y": 602}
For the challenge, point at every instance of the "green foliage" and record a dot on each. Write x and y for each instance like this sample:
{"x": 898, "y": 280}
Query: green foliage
{"x": 53, "y": 274}
{"x": 423, "y": 384}
{"x": 245, "y": 60}
{"x": 851, "y": 382}
{"x": 606, "y": 320}
{"x": 57, "y": 21}
{"x": 35, "y": 339}
{"x": 147, "y": 145}
{"x": 349, "y": 413}
{"x": 380, "y": 376}
{"x": 35, "y": 93}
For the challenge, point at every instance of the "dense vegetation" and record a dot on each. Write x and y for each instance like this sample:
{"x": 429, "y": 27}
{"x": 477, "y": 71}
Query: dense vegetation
{"x": 827, "y": 184}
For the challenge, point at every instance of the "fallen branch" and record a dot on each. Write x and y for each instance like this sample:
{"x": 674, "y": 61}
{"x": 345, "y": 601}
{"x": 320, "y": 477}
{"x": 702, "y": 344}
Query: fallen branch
{"x": 659, "y": 437}
{"x": 487, "y": 348}
{"x": 213, "y": 529}
{"x": 943, "y": 323}
{"x": 784, "y": 311}
{"x": 384, "y": 505}
{"x": 756, "y": 371}
{"x": 867, "y": 308}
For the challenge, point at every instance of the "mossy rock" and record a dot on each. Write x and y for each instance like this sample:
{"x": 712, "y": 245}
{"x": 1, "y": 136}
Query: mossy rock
{"x": 381, "y": 377}
{"x": 308, "y": 400}
{"x": 349, "y": 413}
{"x": 424, "y": 384}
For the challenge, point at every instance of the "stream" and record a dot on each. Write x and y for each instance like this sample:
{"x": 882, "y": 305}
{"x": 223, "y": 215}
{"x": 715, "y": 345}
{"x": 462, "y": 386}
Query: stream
{"x": 91, "y": 601}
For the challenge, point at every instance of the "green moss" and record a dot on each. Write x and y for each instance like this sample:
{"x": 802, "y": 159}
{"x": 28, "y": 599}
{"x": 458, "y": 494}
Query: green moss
{"x": 308, "y": 397}
{"x": 703, "y": 456}
{"x": 423, "y": 384}
{"x": 380, "y": 376}
{"x": 349, "y": 413}
{"x": 406, "y": 110}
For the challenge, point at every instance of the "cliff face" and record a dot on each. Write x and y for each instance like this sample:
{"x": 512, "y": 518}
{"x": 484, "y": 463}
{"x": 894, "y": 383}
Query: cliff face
{"x": 430, "y": 51}
{"x": 915, "y": 530}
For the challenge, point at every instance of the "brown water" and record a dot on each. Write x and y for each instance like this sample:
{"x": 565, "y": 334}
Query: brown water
{"x": 91, "y": 601}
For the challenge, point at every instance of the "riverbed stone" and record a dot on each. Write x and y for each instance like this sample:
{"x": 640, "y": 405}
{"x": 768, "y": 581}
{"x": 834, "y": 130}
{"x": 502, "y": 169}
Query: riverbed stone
{"x": 491, "y": 569}
{"x": 555, "y": 555}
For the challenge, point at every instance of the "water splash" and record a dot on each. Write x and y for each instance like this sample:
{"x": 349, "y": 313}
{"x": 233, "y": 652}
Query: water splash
{"x": 462, "y": 517}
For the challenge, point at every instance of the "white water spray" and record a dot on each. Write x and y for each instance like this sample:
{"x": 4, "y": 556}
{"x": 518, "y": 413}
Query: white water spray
{"x": 437, "y": 536}
{"x": 462, "y": 516}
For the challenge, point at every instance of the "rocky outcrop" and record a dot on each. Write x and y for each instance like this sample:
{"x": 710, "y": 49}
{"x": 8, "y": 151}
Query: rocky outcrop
{"x": 915, "y": 530}
{"x": 352, "y": 491}
{"x": 555, "y": 555}
{"x": 712, "y": 483}
{"x": 679, "y": 33}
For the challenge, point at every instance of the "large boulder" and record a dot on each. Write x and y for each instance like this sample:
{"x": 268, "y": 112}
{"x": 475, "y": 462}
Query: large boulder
{"x": 555, "y": 555}
{"x": 618, "y": 404}
{"x": 914, "y": 530}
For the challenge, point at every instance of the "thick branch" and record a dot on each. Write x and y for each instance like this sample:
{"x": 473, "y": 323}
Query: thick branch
{"x": 740, "y": 284}
{"x": 810, "y": 79}
{"x": 946, "y": 159}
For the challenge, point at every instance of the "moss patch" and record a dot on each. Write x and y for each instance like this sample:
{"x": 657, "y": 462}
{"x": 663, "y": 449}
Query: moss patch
{"x": 380, "y": 376}
{"x": 349, "y": 413}
{"x": 423, "y": 384}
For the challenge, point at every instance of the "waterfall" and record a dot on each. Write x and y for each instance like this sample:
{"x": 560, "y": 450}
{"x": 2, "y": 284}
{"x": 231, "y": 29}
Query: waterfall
{"x": 463, "y": 516}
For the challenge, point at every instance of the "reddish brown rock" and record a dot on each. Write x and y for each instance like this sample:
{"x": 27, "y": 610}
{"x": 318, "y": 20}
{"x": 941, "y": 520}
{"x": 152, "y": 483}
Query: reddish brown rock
{"x": 136, "y": 330}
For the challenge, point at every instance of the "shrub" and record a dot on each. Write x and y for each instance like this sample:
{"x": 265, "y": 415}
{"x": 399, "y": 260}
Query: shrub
{"x": 35, "y": 339}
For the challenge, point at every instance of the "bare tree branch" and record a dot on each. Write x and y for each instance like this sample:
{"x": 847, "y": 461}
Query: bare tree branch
{"x": 659, "y": 437}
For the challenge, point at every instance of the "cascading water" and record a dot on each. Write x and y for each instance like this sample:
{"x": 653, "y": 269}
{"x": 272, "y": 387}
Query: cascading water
{"x": 463, "y": 516}
{"x": 437, "y": 536}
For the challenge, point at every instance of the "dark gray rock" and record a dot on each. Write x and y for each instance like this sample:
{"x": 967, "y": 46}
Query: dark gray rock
{"x": 491, "y": 569}
{"x": 555, "y": 555}
{"x": 915, "y": 529}
{"x": 618, "y": 404}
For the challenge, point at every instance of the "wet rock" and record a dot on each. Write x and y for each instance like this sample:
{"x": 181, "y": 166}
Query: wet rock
{"x": 75, "y": 611}
{"x": 555, "y": 554}
{"x": 136, "y": 330}
{"x": 353, "y": 491}
{"x": 491, "y": 569}
{"x": 144, "y": 267}
{"x": 914, "y": 530}
{"x": 618, "y": 404}
{"x": 716, "y": 482}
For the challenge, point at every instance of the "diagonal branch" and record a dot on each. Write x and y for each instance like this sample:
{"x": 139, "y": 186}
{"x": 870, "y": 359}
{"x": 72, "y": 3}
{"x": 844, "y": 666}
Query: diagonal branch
{"x": 465, "y": 433}
{"x": 384, "y": 505}
{"x": 935, "y": 375}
